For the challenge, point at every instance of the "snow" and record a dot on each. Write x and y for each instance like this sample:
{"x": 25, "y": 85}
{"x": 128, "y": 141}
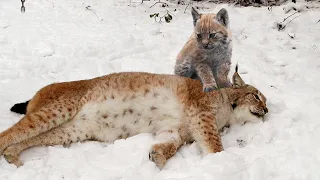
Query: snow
{"x": 62, "y": 40}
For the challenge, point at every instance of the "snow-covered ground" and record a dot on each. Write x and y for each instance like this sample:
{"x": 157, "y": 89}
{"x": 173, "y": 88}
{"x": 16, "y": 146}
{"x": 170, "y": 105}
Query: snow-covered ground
{"x": 66, "y": 40}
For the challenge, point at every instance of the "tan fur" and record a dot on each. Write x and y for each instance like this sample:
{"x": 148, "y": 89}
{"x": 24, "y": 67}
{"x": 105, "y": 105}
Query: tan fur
{"x": 207, "y": 54}
{"x": 206, "y": 25}
{"x": 121, "y": 105}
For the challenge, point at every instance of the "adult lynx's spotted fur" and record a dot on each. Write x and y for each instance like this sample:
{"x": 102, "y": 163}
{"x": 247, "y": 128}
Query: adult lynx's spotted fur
{"x": 207, "y": 54}
{"x": 120, "y": 105}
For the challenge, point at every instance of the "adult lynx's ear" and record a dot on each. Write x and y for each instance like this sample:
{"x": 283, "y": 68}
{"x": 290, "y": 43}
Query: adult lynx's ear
{"x": 237, "y": 80}
{"x": 222, "y": 17}
{"x": 195, "y": 16}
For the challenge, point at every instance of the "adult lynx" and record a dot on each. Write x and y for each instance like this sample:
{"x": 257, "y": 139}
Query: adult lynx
{"x": 121, "y": 105}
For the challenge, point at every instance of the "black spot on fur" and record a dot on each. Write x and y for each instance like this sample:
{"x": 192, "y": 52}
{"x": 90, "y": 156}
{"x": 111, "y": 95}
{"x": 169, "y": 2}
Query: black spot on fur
{"x": 234, "y": 105}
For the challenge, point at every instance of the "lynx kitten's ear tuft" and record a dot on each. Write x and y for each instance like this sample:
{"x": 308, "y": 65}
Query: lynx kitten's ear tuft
{"x": 195, "y": 15}
{"x": 236, "y": 79}
{"x": 223, "y": 18}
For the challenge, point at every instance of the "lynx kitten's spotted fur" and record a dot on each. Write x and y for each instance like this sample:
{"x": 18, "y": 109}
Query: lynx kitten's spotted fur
{"x": 120, "y": 105}
{"x": 207, "y": 54}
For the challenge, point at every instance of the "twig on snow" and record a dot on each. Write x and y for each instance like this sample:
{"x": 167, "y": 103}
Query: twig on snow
{"x": 242, "y": 31}
{"x": 280, "y": 26}
{"x": 144, "y": 1}
{"x": 189, "y": 5}
{"x": 157, "y": 3}
{"x": 292, "y": 19}
{"x": 289, "y": 16}
{"x": 291, "y": 36}
{"x": 88, "y": 8}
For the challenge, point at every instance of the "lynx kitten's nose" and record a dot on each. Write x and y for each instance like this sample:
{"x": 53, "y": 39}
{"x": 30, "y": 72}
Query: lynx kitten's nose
{"x": 265, "y": 110}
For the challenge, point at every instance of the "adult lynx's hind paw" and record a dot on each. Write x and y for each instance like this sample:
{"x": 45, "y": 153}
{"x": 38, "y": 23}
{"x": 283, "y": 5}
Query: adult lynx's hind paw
{"x": 157, "y": 158}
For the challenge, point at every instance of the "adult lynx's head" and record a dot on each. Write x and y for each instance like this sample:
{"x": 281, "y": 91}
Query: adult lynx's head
{"x": 250, "y": 103}
{"x": 211, "y": 30}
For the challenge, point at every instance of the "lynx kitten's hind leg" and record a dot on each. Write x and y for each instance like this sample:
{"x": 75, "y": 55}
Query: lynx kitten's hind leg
{"x": 170, "y": 141}
{"x": 62, "y": 135}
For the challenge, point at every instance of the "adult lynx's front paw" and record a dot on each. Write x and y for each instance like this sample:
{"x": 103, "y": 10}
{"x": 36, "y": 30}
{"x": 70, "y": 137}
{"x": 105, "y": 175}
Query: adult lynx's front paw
{"x": 209, "y": 87}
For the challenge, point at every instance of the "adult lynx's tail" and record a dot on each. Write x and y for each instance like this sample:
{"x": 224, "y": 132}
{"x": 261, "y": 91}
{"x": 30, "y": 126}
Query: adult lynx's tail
{"x": 20, "y": 108}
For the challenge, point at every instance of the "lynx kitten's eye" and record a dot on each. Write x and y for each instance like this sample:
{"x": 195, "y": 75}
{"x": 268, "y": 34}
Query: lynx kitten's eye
{"x": 257, "y": 97}
{"x": 212, "y": 35}
{"x": 199, "y": 36}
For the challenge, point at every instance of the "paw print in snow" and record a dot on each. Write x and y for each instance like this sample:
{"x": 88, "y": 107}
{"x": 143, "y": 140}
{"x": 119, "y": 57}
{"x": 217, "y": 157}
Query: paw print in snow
{"x": 241, "y": 142}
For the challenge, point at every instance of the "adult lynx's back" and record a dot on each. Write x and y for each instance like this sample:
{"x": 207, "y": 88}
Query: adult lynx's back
{"x": 207, "y": 54}
{"x": 121, "y": 105}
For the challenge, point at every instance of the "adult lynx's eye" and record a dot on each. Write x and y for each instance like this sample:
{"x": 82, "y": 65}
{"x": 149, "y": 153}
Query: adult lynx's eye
{"x": 257, "y": 97}
{"x": 199, "y": 36}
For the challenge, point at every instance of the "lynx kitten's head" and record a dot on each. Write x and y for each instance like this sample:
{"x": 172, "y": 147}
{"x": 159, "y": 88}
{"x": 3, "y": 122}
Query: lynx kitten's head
{"x": 211, "y": 30}
{"x": 250, "y": 106}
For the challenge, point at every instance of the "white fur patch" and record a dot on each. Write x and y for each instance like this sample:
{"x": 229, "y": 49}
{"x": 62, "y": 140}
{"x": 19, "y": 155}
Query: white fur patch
{"x": 130, "y": 113}
{"x": 243, "y": 115}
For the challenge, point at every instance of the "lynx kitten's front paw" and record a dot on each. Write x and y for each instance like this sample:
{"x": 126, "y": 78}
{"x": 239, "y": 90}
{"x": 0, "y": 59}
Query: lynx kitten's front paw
{"x": 209, "y": 87}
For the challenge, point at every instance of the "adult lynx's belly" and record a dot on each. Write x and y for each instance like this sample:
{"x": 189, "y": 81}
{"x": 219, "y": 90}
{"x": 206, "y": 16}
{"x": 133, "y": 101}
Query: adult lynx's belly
{"x": 129, "y": 113}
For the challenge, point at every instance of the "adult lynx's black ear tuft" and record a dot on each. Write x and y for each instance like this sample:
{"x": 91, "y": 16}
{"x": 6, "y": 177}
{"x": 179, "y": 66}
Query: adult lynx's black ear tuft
{"x": 237, "y": 67}
{"x": 237, "y": 80}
